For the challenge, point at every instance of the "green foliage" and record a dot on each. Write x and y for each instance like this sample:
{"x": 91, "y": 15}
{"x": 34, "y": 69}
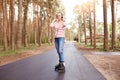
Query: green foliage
{"x": 110, "y": 27}
{"x": 45, "y": 40}
{"x": 12, "y": 52}
{"x": 118, "y": 43}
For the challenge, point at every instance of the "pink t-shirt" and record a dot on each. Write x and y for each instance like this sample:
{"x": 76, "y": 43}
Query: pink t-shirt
{"x": 59, "y": 28}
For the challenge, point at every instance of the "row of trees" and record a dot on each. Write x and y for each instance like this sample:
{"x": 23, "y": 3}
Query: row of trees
{"x": 87, "y": 18}
{"x": 25, "y": 22}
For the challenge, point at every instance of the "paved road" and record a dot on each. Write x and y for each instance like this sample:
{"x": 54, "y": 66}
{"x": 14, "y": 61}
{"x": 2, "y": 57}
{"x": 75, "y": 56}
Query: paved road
{"x": 41, "y": 67}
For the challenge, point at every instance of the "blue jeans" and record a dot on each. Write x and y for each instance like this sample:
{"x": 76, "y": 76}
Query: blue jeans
{"x": 59, "y": 44}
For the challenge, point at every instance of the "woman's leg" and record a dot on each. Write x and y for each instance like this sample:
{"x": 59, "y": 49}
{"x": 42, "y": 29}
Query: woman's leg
{"x": 59, "y": 43}
{"x": 61, "y": 49}
{"x": 57, "y": 46}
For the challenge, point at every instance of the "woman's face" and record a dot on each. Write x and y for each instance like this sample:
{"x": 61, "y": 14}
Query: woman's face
{"x": 59, "y": 16}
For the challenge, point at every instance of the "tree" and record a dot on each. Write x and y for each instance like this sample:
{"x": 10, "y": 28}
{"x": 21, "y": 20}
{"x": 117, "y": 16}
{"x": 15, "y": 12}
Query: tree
{"x": 5, "y": 23}
{"x": 35, "y": 22}
{"x": 19, "y": 33}
{"x": 40, "y": 24}
{"x": 84, "y": 17}
{"x": 90, "y": 23}
{"x": 79, "y": 32}
{"x": 113, "y": 24}
{"x": 25, "y": 32}
{"x": 12, "y": 2}
{"x": 105, "y": 25}
{"x": 1, "y": 29}
{"x": 94, "y": 24}
{"x": 16, "y": 31}
{"x": 9, "y": 36}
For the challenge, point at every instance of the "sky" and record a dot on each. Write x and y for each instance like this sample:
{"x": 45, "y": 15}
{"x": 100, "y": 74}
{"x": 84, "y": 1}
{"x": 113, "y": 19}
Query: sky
{"x": 69, "y": 5}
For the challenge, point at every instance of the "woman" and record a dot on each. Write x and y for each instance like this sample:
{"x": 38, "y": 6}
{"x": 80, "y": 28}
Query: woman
{"x": 59, "y": 37}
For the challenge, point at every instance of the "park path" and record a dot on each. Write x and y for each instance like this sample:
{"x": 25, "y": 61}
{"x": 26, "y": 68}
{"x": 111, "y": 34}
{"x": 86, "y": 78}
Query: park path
{"x": 41, "y": 67}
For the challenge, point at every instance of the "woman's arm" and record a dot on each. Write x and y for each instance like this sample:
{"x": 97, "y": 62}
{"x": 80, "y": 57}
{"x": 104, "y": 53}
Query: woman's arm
{"x": 53, "y": 23}
{"x": 64, "y": 25}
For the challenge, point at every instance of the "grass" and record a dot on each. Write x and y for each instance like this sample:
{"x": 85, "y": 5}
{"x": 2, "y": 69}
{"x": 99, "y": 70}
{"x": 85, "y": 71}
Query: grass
{"x": 99, "y": 46}
{"x": 12, "y": 52}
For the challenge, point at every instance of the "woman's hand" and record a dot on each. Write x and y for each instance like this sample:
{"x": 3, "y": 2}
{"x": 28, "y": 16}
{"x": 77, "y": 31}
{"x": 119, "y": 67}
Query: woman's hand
{"x": 54, "y": 20}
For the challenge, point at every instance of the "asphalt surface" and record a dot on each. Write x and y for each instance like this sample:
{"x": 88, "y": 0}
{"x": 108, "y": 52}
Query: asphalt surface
{"x": 41, "y": 67}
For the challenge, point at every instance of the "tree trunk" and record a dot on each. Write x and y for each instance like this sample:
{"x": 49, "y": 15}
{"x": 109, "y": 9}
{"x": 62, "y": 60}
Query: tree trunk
{"x": 79, "y": 34}
{"x": 52, "y": 31}
{"x": 94, "y": 24}
{"x": 35, "y": 32}
{"x": 90, "y": 25}
{"x": 40, "y": 29}
{"x": 12, "y": 2}
{"x": 1, "y": 23}
{"x": 1, "y": 28}
{"x": 52, "y": 35}
{"x": 113, "y": 24}
{"x": 25, "y": 32}
{"x": 105, "y": 25}
{"x": 35, "y": 24}
{"x": 19, "y": 33}
{"x": 49, "y": 20}
{"x": 84, "y": 25}
{"x": 49, "y": 29}
{"x": 5, "y": 23}
{"x": 9, "y": 26}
